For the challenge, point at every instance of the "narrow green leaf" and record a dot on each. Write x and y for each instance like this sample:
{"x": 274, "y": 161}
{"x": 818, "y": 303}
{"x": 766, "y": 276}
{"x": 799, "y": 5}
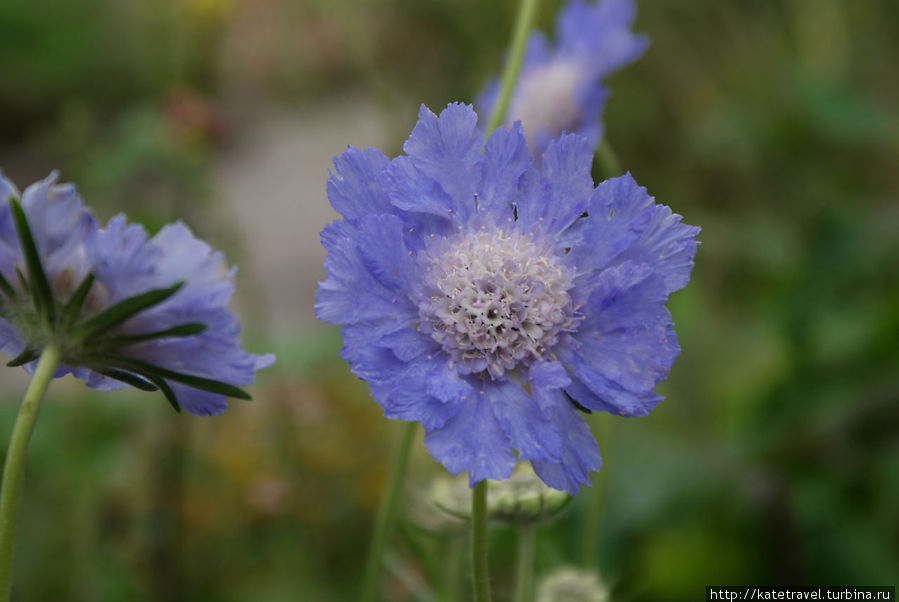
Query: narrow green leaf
{"x": 72, "y": 309}
{"x": 128, "y": 379}
{"x": 7, "y": 288}
{"x": 23, "y": 281}
{"x": 197, "y": 382}
{"x": 121, "y": 311}
{"x": 28, "y": 355}
{"x": 178, "y": 331}
{"x": 167, "y": 391}
{"x": 41, "y": 293}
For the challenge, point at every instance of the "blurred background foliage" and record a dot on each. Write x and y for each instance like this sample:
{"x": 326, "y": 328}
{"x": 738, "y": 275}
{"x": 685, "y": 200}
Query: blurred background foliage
{"x": 774, "y": 459}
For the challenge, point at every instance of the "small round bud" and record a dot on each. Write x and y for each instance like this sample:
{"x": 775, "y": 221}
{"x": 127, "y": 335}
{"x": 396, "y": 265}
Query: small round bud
{"x": 569, "y": 584}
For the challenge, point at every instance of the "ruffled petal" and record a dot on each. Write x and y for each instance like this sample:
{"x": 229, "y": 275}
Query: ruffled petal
{"x": 506, "y": 159}
{"x": 566, "y": 186}
{"x": 528, "y": 428}
{"x": 354, "y": 187}
{"x": 619, "y": 212}
{"x": 351, "y": 293}
{"x": 601, "y": 33}
{"x": 473, "y": 440}
{"x": 580, "y": 454}
{"x": 441, "y": 172}
{"x": 667, "y": 245}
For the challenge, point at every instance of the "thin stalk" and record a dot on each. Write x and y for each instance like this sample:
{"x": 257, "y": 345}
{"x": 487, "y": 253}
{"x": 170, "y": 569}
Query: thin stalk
{"x": 527, "y": 11}
{"x": 385, "y": 515}
{"x": 604, "y": 426}
{"x": 607, "y": 160}
{"x": 479, "y": 542}
{"x": 524, "y": 578}
{"x": 14, "y": 469}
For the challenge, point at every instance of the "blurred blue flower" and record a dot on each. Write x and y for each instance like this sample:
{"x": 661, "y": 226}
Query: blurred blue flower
{"x": 560, "y": 88}
{"x": 123, "y": 309}
{"x": 475, "y": 299}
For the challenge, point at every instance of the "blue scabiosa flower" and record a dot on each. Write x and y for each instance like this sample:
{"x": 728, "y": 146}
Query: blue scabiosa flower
{"x": 121, "y": 308}
{"x": 476, "y": 299}
{"x": 560, "y": 88}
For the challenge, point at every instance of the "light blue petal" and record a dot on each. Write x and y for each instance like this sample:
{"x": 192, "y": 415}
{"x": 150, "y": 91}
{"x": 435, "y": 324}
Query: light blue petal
{"x": 506, "y": 159}
{"x": 473, "y": 440}
{"x": 528, "y": 428}
{"x": 580, "y": 454}
{"x": 567, "y": 185}
{"x": 601, "y": 34}
{"x": 667, "y": 245}
{"x": 355, "y": 187}
{"x": 443, "y": 153}
{"x": 619, "y": 213}
{"x": 351, "y": 293}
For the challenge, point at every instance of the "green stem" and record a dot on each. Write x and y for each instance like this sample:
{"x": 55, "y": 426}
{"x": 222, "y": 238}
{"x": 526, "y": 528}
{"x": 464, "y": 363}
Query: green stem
{"x": 479, "y": 542}
{"x": 385, "y": 515}
{"x": 524, "y": 579}
{"x": 603, "y": 425}
{"x": 527, "y": 11}
{"x": 607, "y": 160}
{"x": 14, "y": 470}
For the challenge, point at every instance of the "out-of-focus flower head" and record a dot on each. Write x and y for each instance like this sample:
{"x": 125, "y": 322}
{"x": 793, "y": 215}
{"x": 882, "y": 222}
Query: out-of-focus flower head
{"x": 569, "y": 584}
{"x": 560, "y": 88}
{"x": 122, "y": 308}
{"x": 521, "y": 499}
{"x": 477, "y": 300}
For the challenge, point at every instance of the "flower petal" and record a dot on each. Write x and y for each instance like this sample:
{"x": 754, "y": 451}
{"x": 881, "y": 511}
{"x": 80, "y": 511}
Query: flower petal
{"x": 567, "y": 184}
{"x": 441, "y": 173}
{"x": 473, "y": 440}
{"x": 580, "y": 454}
{"x": 528, "y": 428}
{"x": 602, "y": 32}
{"x": 506, "y": 159}
{"x": 667, "y": 245}
{"x": 619, "y": 212}
{"x": 355, "y": 188}
{"x": 351, "y": 293}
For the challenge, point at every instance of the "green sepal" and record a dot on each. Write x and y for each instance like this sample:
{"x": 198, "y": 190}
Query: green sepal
{"x": 41, "y": 293}
{"x": 23, "y": 281}
{"x": 151, "y": 372}
{"x": 28, "y": 355}
{"x": 72, "y": 309}
{"x": 167, "y": 391}
{"x": 121, "y": 311}
{"x": 128, "y": 379}
{"x": 184, "y": 330}
{"x": 7, "y": 289}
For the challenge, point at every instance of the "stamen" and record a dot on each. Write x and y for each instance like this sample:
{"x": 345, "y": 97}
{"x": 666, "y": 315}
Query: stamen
{"x": 495, "y": 300}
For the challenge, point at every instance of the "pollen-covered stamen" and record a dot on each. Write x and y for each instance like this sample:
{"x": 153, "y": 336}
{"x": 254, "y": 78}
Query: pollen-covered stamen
{"x": 494, "y": 300}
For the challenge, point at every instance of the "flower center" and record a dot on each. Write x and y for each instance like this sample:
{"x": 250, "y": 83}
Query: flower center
{"x": 494, "y": 300}
{"x": 546, "y": 99}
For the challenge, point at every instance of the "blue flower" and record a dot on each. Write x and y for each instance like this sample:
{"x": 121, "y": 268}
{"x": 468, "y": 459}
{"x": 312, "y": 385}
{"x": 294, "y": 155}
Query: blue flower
{"x": 123, "y": 309}
{"x": 560, "y": 88}
{"x": 476, "y": 299}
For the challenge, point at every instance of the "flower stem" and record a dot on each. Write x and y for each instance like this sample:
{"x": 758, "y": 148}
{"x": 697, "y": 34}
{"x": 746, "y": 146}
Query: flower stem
{"x": 479, "y": 542}
{"x": 603, "y": 425}
{"x": 527, "y": 11}
{"x": 385, "y": 515}
{"x": 607, "y": 160}
{"x": 524, "y": 579}
{"x": 14, "y": 469}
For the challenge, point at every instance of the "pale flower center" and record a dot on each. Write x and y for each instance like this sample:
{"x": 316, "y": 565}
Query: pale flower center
{"x": 495, "y": 300}
{"x": 546, "y": 99}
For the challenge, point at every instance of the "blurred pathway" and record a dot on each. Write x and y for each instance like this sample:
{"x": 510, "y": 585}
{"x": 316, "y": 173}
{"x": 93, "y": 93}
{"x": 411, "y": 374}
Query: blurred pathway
{"x": 273, "y": 183}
